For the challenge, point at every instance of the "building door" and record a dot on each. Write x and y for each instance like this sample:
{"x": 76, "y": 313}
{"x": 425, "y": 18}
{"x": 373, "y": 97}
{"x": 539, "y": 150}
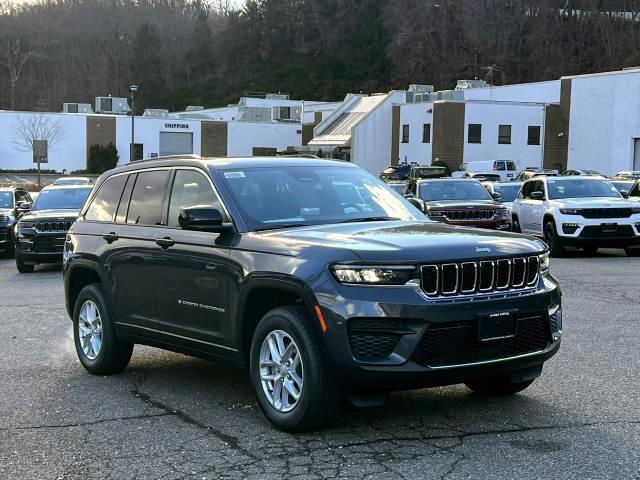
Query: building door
{"x": 176, "y": 143}
{"x": 636, "y": 153}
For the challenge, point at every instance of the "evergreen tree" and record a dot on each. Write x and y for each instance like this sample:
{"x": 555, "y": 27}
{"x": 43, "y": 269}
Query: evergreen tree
{"x": 147, "y": 66}
{"x": 201, "y": 53}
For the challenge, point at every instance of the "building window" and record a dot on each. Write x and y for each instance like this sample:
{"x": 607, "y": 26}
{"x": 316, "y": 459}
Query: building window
{"x": 405, "y": 133}
{"x": 533, "y": 135}
{"x": 504, "y": 134}
{"x": 138, "y": 151}
{"x": 474, "y": 133}
{"x": 426, "y": 133}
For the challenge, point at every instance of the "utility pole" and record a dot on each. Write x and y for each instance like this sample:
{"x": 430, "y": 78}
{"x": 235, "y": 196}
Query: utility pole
{"x": 133, "y": 88}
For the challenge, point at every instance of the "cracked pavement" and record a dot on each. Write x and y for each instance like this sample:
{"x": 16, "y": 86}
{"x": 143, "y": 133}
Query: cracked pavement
{"x": 168, "y": 416}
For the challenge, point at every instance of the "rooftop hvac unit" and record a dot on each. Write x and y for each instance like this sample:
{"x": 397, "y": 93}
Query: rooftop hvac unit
{"x": 117, "y": 105}
{"x": 467, "y": 84}
{"x": 276, "y": 96}
{"x": 287, "y": 114}
{"x": 194, "y": 108}
{"x": 416, "y": 88}
{"x": 77, "y": 108}
{"x": 156, "y": 113}
{"x": 254, "y": 114}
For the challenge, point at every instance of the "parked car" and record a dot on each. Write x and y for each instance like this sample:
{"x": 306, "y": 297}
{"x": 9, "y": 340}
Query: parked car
{"x": 74, "y": 181}
{"x": 538, "y": 172}
{"x": 483, "y": 177}
{"x": 576, "y": 172}
{"x": 505, "y": 168}
{"x": 40, "y": 234}
{"x": 259, "y": 262}
{"x": 508, "y": 191}
{"x": 396, "y": 172}
{"x": 629, "y": 174}
{"x": 14, "y": 201}
{"x": 623, "y": 184}
{"x": 586, "y": 212}
{"x": 634, "y": 192}
{"x": 420, "y": 171}
{"x": 459, "y": 202}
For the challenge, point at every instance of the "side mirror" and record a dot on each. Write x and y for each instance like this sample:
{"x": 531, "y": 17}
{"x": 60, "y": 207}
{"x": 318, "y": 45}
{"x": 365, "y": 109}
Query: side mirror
{"x": 496, "y": 196}
{"x": 416, "y": 202}
{"x": 203, "y": 219}
{"x": 537, "y": 196}
{"x": 624, "y": 193}
{"x": 23, "y": 206}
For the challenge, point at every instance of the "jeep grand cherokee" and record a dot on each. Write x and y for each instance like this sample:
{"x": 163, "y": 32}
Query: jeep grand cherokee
{"x": 260, "y": 261}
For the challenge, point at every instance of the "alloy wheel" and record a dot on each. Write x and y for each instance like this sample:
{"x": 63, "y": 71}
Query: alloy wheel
{"x": 90, "y": 329}
{"x": 281, "y": 371}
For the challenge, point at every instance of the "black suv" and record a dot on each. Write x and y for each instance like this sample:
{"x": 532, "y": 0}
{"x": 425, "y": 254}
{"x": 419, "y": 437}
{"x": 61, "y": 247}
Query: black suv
{"x": 262, "y": 262}
{"x": 14, "y": 201}
{"x": 40, "y": 234}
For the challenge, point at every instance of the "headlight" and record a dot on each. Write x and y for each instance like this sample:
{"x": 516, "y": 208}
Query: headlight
{"x": 571, "y": 211}
{"x": 433, "y": 213}
{"x": 373, "y": 275}
{"x": 543, "y": 262}
{"x": 503, "y": 213}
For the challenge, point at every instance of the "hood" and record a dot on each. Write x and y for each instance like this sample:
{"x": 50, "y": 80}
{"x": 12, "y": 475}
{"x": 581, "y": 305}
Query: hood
{"x": 404, "y": 241}
{"x": 446, "y": 204}
{"x": 597, "y": 202}
{"x": 62, "y": 214}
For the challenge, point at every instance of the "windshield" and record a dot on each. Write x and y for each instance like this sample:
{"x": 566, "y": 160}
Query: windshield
{"x": 283, "y": 196}
{"x": 6, "y": 200}
{"x": 72, "y": 181}
{"x": 508, "y": 193}
{"x": 623, "y": 185}
{"x": 579, "y": 188}
{"x": 61, "y": 198}
{"x": 435, "y": 191}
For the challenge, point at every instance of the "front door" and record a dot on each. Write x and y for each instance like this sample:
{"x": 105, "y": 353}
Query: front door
{"x": 194, "y": 280}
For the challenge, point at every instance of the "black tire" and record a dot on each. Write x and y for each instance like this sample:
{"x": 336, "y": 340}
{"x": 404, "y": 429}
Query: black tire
{"x": 10, "y": 251}
{"x": 632, "y": 252}
{"x": 21, "y": 266}
{"x": 590, "y": 250}
{"x": 319, "y": 396}
{"x": 515, "y": 224}
{"x": 556, "y": 248}
{"x": 497, "y": 386}
{"x": 113, "y": 355}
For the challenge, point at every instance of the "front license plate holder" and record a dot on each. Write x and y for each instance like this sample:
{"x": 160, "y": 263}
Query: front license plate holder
{"x": 496, "y": 326}
{"x": 609, "y": 227}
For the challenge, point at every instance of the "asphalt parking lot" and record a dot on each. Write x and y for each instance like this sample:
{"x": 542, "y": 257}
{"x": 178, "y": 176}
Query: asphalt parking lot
{"x": 169, "y": 416}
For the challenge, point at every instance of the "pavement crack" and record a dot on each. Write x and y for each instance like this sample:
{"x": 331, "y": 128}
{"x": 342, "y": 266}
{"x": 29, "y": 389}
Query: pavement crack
{"x": 230, "y": 440}
{"x": 82, "y": 424}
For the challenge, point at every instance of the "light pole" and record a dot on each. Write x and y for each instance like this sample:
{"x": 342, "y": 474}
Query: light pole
{"x": 133, "y": 88}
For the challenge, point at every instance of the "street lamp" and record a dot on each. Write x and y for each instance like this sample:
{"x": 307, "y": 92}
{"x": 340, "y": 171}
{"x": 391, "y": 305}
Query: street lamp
{"x": 133, "y": 88}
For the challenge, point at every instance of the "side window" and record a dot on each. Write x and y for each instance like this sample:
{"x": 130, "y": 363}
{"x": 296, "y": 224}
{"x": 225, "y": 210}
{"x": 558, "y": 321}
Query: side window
{"x": 511, "y": 166}
{"x": 412, "y": 189}
{"x": 104, "y": 204}
{"x": 23, "y": 197}
{"x": 526, "y": 190}
{"x": 635, "y": 191}
{"x": 121, "y": 214}
{"x": 147, "y": 198}
{"x": 538, "y": 186}
{"x": 500, "y": 166}
{"x": 190, "y": 188}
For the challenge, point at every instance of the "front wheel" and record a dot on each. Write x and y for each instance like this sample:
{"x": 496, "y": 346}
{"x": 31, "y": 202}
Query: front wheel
{"x": 292, "y": 384}
{"x": 97, "y": 346}
{"x": 556, "y": 248}
{"x": 20, "y": 265}
{"x": 497, "y": 386}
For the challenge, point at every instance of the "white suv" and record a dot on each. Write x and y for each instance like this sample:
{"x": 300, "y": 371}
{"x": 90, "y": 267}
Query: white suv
{"x": 586, "y": 212}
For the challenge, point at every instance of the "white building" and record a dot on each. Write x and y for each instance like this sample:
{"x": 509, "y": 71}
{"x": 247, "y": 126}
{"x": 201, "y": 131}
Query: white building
{"x": 360, "y": 130}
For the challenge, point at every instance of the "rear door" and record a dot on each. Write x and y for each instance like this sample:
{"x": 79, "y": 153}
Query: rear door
{"x": 537, "y": 208}
{"x": 523, "y": 208}
{"x": 195, "y": 278}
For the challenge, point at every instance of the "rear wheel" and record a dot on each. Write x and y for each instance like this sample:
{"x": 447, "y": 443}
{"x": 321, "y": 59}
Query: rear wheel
{"x": 292, "y": 384}
{"x": 21, "y": 266}
{"x": 556, "y": 248}
{"x": 97, "y": 346}
{"x": 497, "y": 386}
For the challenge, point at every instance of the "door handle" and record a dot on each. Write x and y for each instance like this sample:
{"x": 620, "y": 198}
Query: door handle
{"x": 165, "y": 242}
{"x": 110, "y": 237}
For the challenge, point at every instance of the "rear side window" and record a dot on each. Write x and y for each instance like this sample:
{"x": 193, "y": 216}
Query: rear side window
{"x": 104, "y": 204}
{"x": 147, "y": 198}
{"x": 190, "y": 189}
{"x": 511, "y": 166}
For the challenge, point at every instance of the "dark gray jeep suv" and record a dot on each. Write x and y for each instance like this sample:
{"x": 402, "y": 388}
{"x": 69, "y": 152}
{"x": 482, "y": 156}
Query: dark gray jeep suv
{"x": 313, "y": 274}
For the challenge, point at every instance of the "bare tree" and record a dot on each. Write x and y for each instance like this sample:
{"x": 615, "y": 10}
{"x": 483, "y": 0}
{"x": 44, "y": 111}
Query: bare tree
{"x": 14, "y": 58}
{"x": 37, "y": 127}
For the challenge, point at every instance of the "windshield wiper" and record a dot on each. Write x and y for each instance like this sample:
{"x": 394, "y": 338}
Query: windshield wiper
{"x": 369, "y": 219}
{"x": 281, "y": 225}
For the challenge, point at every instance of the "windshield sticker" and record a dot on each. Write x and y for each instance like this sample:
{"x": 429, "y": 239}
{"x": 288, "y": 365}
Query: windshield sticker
{"x": 234, "y": 174}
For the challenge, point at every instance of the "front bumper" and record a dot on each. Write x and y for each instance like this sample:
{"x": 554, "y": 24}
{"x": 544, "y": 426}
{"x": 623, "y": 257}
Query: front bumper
{"x": 576, "y": 230}
{"x": 502, "y": 224}
{"x": 38, "y": 247}
{"x": 414, "y": 319}
{"x": 5, "y": 237}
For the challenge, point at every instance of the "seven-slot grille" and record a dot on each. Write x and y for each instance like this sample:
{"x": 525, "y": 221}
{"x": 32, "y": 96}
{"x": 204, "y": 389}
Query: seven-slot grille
{"x": 479, "y": 277}
{"x": 462, "y": 215}
{"x": 53, "y": 226}
{"x": 606, "y": 212}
